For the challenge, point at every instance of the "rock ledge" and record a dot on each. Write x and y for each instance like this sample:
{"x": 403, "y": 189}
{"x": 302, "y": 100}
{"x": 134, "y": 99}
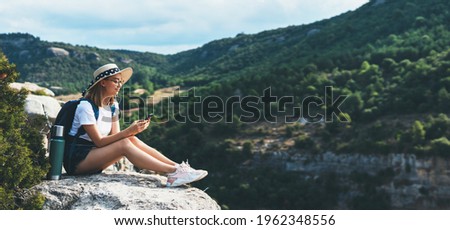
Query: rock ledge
{"x": 121, "y": 190}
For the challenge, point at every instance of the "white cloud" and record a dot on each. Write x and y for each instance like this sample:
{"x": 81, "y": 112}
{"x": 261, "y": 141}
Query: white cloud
{"x": 159, "y": 23}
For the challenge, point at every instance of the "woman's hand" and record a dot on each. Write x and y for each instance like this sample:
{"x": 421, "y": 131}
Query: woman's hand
{"x": 138, "y": 126}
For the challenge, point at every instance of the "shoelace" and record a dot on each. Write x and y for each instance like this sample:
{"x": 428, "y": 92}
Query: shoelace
{"x": 185, "y": 164}
{"x": 185, "y": 167}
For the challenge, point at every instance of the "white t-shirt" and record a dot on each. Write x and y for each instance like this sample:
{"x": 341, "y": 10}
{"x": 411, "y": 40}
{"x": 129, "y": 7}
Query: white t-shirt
{"x": 84, "y": 115}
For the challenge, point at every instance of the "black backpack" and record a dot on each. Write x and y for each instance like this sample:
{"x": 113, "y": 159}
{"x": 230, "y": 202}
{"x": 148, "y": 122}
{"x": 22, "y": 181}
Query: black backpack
{"x": 67, "y": 113}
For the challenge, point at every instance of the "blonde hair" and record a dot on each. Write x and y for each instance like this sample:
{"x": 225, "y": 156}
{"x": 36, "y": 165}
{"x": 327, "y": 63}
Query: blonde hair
{"x": 95, "y": 94}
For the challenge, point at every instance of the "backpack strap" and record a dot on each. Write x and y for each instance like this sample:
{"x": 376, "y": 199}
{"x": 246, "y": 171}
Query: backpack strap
{"x": 81, "y": 130}
{"x": 113, "y": 110}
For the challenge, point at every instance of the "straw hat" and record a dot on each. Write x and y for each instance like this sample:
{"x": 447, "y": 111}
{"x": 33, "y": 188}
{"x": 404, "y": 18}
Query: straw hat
{"x": 106, "y": 71}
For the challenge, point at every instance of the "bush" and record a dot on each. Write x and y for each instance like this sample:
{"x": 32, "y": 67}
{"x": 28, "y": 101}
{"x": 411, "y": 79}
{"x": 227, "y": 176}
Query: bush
{"x": 441, "y": 146}
{"x": 247, "y": 148}
{"x": 304, "y": 142}
{"x": 21, "y": 167}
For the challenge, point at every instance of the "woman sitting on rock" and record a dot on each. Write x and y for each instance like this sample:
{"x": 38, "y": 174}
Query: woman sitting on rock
{"x": 103, "y": 143}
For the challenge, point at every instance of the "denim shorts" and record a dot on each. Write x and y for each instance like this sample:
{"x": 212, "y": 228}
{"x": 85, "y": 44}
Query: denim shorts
{"x": 75, "y": 152}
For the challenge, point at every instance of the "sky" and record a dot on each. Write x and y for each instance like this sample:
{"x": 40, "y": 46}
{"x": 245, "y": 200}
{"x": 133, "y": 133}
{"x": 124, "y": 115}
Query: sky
{"x": 159, "y": 26}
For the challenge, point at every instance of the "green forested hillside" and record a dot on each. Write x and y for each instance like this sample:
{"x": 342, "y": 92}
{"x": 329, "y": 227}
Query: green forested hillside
{"x": 342, "y": 42}
{"x": 390, "y": 59}
{"x": 73, "y": 70}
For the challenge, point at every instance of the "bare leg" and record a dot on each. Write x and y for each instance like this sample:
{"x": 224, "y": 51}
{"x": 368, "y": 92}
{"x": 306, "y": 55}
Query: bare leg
{"x": 153, "y": 152}
{"x": 101, "y": 158}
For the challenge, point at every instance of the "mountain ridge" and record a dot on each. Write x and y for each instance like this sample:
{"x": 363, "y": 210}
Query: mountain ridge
{"x": 391, "y": 59}
{"x": 85, "y": 58}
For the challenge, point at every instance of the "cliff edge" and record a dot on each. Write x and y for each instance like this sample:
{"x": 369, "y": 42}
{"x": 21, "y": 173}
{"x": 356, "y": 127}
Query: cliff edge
{"x": 121, "y": 190}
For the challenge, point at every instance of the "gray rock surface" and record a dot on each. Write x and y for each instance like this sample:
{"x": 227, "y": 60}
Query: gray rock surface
{"x": 58, "y": 52}
{"x": 123, "y": 191}
{"x": 34, "y": 103}
{"x": 415, "y": 183}
{"x": 32, "y": 87}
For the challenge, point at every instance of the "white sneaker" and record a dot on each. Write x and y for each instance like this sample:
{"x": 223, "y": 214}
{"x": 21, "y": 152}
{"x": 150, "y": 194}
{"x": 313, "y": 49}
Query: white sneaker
{"x": 184, "y": 175}
{"x": 189, "y": 168}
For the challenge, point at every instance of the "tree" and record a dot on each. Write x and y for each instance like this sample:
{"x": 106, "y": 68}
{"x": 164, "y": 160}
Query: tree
{"x": 443, "y": 99}
{"x": 20, "y": 167}
{"x": 354, "y": 104}
{"x": 418, "y": 133}
{"x": 441, "y": 146}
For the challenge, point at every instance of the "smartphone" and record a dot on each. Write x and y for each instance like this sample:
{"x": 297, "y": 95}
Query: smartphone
{"x": 149, "y": 116}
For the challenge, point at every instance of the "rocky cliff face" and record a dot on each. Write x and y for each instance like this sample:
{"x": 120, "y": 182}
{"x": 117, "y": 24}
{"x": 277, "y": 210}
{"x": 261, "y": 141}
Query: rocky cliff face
{"x": 121, "y": 190}
{"x": 410, "y": 182}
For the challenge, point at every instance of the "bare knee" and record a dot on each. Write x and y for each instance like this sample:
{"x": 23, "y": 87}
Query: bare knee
{"x": 125, "y": 145}
{"x": 133, "y": 139}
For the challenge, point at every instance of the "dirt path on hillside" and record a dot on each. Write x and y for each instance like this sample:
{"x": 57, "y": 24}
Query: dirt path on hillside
{"x": 163, "y": 93}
